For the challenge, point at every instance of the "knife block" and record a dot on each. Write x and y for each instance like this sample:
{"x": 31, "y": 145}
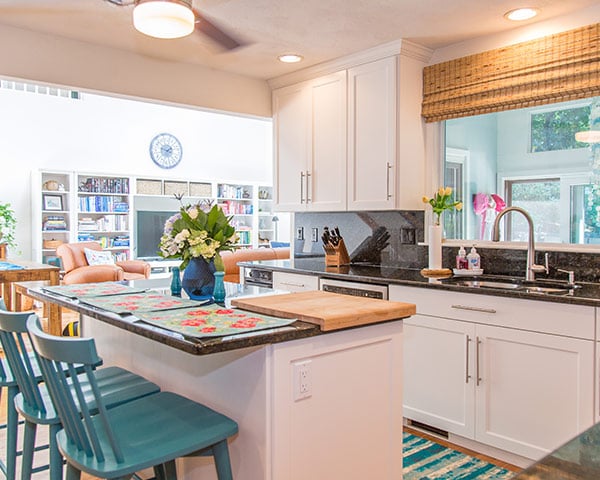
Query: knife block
{"x": 336, "y": 255}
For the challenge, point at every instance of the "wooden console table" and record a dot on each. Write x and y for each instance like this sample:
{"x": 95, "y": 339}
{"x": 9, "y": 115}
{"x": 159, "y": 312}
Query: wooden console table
{"x": 31, "y": 271}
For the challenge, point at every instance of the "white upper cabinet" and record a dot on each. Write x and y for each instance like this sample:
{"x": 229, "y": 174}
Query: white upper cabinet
{"x": 352, "y": 140}
{"x": 372, "y": 135}
{"x": 310, "y": 145}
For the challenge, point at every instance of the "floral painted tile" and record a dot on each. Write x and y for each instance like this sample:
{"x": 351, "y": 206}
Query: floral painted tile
{"x": 211, "y": 321}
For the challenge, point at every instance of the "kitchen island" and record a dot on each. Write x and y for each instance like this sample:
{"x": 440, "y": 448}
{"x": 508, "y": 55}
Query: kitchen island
{"x": 309, "y": 404}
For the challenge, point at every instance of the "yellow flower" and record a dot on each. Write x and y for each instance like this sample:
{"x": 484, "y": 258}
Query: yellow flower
{"x": 448, "y": 191}
{"x": 425, "y": 199}
{"x": 459, "y": 206}
{"x": 441, "y": 191}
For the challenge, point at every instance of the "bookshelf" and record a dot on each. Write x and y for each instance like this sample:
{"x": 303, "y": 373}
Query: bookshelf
{"x": 78, "y": 206}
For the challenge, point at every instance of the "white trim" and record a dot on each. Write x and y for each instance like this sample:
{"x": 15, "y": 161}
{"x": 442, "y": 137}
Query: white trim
{"x": 397, "y": 47}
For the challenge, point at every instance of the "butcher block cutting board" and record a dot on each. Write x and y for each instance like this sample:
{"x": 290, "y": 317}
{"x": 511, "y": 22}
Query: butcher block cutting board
{"x": 331, "y": 311}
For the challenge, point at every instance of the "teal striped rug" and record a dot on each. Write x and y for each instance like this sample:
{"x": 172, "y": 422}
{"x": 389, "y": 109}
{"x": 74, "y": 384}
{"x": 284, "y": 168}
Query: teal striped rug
{"x": 424, "y": 460}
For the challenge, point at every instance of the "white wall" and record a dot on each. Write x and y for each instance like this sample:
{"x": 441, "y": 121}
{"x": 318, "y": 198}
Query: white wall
{"x": 47, "y": 58}
{"x": 108, "y": 135}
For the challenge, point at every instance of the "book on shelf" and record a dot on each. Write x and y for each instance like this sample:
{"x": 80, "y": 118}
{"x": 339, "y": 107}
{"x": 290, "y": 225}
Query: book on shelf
{"x": 105, "y": 185}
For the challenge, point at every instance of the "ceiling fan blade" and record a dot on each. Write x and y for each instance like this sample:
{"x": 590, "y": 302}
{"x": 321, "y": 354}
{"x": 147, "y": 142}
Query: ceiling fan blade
{"x": 210, "y": 29}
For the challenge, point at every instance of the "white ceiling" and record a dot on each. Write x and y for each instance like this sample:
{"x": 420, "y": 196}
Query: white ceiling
{"x": 320, "y": 30}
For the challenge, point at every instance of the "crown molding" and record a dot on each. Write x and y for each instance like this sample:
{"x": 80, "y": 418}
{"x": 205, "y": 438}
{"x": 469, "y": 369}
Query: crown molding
{"x": 397, "y": 47}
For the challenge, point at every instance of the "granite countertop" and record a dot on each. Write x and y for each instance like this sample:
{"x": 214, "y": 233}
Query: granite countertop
{"x": 578, "y": 459}
{"x": 584, "y": 294}
{"x": 194, "y": 346}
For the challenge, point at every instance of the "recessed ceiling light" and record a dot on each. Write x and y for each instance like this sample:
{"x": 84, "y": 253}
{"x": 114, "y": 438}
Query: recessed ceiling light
{"x": 290, "y": 58}
{"x": 519, "y": 14}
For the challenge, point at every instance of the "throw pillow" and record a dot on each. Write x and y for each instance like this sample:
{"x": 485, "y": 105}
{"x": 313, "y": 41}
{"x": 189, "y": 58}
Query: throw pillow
{"x": 98, "y": 257}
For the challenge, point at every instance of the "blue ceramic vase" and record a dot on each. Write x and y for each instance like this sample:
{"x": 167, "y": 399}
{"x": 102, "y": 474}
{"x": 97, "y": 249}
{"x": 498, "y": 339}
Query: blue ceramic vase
{"x": 198, "y": 279}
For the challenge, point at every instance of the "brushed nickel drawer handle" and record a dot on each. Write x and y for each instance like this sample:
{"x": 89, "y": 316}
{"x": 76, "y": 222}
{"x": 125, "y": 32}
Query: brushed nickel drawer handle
{"x": 473, "y": 309}
{"x": 301, "y": 285}
{"x": 301, "y": 187}
{"x": 467, "y": 376}
{"x": 479, "y": 379}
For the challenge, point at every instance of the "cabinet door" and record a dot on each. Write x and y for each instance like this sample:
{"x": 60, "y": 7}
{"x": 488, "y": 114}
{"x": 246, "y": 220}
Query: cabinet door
{"x": 291, "y": 141}
{"x": 372, "y": 109}
{"x": 439, "y": 379}
{"x": 326, "y": 181}
{"x": 535, "y": 390}
{"x": 293, "y": 282}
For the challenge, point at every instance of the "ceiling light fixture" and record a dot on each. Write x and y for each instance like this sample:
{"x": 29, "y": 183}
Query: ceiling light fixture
{"x": 290, "y": 58}
{"x": 519, "y": 14}
{"x": 164, "y": 18}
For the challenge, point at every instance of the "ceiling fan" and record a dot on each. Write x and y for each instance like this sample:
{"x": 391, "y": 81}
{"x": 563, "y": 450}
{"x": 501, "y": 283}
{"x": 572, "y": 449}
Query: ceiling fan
{"x": 174, "y": 19}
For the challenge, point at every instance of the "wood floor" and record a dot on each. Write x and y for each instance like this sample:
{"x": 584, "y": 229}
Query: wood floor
{"x": 71, "y": 316}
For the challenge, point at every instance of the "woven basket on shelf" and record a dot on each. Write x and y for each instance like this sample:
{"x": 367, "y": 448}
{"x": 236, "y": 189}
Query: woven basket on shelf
{"x": 52, "y": 243}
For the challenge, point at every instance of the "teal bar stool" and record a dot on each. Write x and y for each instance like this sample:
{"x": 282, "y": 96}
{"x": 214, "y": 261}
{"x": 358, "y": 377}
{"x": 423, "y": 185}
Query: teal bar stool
{"x": 114, "y": 444}
{"x": 33, "y": 402}
{"x": 8, "y": 466}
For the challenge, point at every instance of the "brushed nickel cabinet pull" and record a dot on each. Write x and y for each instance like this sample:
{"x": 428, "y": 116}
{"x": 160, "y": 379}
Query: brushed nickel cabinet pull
{"x": 473, "y": 309}
{"x": 389, "y": 167}
{"x": 301, "y": 187}
{"x": 467, "y": 376}
{"x": 308, "y": 198}
{"x": 290, "y": 284}
{"x": 477, "y": 363}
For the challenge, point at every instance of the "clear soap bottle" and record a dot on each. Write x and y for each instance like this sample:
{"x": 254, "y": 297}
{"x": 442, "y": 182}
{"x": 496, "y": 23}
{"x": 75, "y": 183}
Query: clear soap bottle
{"x": 473, "y": 259}
{"x": 461, "y": 259}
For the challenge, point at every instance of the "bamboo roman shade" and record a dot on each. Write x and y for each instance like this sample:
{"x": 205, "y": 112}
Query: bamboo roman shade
{"x": 556, "y": 68}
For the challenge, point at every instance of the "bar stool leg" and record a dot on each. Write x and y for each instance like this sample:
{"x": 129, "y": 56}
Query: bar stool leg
{"x": 56, "y": 460}
{"x": 221, "y": 454}
{"x": 29, "y": 432}
{"x": 12, "y": 421}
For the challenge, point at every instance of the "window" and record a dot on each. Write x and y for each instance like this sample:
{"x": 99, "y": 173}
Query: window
{"x": 529, "y": 158}
{"x": 541, "y": 198}
{"x": 555, "y": 130}
{"x": 585, "y": 214}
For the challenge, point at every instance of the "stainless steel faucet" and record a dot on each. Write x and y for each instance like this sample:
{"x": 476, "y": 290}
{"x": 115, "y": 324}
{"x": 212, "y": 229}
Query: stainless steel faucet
{"x": 532, "y": 268}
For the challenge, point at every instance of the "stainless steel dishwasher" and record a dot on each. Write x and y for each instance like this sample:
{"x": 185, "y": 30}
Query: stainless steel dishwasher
{"x": 356, "y": 289}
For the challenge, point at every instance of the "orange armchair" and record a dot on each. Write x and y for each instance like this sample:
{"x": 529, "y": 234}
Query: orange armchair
{"x": 77, "y": 269}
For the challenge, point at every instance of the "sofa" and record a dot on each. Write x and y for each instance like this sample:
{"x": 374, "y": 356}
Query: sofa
{"x": 77, "y": 269}
{"x": 231, "y": 259}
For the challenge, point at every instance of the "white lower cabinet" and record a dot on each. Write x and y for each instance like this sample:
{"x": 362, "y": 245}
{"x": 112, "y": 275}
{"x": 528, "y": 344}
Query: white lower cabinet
{"x": 294, "y": 282}
{"x": 526, "y": 388}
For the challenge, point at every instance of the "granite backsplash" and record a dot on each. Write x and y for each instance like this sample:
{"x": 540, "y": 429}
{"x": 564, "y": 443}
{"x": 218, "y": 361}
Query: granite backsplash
{"x": 406, "y": 230}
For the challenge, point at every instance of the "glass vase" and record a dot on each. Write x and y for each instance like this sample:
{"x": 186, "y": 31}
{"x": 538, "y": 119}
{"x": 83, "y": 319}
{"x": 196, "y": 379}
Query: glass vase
{"x": 435, "y": 247}
{"x": 219, "y": 289}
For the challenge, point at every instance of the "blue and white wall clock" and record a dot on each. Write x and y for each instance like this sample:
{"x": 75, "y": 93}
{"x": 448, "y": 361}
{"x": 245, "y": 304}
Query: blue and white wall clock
{"x": 166, "y": 150}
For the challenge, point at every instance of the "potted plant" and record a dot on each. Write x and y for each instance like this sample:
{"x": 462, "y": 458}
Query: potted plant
{"x": 8, "y": 224}
{"x": 197, "y": 237}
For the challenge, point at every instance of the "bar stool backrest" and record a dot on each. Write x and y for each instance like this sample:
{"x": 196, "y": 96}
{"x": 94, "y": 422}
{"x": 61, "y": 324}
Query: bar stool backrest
{"x": 62, "y": 356}
{"x": 24, "y": 367}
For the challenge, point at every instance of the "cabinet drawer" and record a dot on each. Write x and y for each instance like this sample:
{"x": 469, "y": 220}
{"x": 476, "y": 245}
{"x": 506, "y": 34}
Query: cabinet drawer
{"x": 538, "y": 316}
{"x": 293, "y": 282}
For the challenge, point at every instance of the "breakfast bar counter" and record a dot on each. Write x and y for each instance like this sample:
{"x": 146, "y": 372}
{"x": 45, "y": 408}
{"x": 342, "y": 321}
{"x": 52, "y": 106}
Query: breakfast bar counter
{"x": 309, "y": 403}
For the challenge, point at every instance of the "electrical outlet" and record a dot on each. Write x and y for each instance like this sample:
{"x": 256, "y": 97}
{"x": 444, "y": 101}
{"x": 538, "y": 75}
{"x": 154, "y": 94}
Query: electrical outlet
{"x": 300, "y": 233}
{"x": 407, "y": 236}
{"x": 314, "y": 234}
{"x": 302, "y": 380}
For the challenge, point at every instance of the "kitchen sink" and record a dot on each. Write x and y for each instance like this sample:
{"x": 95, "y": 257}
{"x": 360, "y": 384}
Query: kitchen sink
{"x": 542, "y": 288}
